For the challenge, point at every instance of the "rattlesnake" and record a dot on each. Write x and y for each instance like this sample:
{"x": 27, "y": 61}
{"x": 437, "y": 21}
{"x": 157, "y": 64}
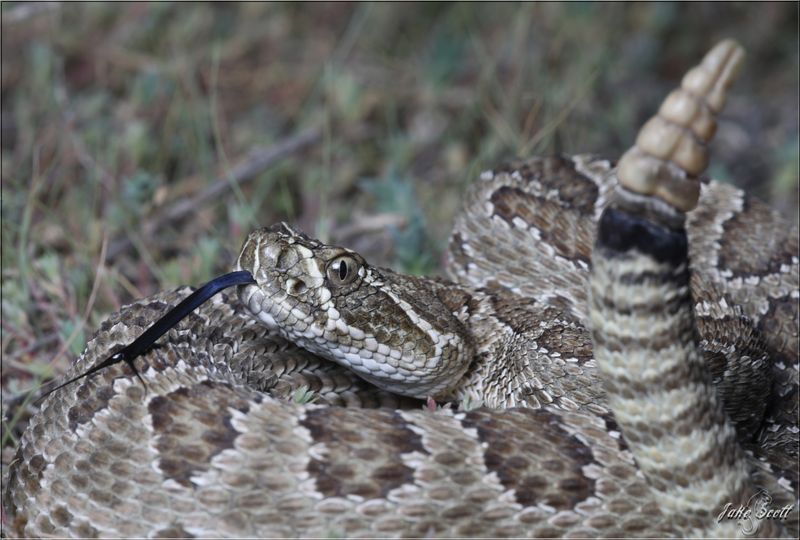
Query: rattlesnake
{"x": 616, "y": 431}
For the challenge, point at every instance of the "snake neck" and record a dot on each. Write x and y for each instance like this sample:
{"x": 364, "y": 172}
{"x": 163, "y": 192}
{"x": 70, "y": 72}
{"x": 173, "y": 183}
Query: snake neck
{"x": 413, "y": 336}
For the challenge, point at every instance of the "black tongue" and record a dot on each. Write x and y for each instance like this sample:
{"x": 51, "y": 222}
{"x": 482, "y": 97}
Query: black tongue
{"x": 141, "y": 344}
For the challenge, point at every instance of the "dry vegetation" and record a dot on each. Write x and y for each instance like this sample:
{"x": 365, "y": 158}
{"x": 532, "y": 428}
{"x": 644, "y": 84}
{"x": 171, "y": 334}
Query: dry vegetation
{"x": 140, "y": 142}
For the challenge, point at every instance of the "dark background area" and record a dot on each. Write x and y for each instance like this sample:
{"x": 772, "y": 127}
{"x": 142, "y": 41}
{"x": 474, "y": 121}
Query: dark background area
{"x": 125, "y": 126}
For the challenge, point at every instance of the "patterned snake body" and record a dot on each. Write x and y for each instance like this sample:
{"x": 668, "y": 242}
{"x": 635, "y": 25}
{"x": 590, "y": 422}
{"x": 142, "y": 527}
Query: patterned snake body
{"x": 597, "y": 405}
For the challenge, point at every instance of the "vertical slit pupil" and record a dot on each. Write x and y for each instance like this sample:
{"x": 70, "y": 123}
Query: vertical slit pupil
{"x": 342, "y": 270}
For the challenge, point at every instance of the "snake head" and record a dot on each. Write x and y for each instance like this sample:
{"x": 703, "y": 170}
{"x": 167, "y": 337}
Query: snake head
{"x": 296, "y": 279}
{"x": 391, "y": 330}
{"x": 297, "y": 270}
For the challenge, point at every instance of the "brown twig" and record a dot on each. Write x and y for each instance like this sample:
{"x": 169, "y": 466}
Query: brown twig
{"x": 252, "y": 166}
{"x": 366, "y": 224}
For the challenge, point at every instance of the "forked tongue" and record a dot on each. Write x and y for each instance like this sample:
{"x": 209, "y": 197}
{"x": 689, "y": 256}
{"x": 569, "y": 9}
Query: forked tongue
{"x": 175, "y": 315}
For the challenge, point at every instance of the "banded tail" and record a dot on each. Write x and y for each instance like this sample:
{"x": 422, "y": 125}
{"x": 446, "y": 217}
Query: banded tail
{"x": 642, "y": 316}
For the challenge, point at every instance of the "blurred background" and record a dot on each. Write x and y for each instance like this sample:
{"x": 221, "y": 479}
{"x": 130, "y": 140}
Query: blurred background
{"x": 142, "y": 141}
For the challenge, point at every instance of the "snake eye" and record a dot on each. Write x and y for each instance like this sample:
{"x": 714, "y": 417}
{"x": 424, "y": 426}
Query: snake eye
{"x": 342, "y": 270}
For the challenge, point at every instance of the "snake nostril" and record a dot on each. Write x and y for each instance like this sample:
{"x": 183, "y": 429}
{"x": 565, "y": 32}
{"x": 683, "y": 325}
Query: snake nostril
{"x": 296, "y": 286}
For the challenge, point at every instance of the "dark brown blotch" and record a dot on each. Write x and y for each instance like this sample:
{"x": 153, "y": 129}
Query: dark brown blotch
{"x": 61, "y": 516}
{"x": 560, "y": 221}
{"x": 756, "y": 241}
{"x": 355, "y": 434}
{"x": 174, "y": 417}
{"x": 91, "y": 400}
{"x": 553, "y": 474}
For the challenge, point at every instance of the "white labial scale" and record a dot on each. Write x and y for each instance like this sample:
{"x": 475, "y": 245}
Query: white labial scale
{"x": 311, "y": 332}
{"x": 370, "y": 344}
{"x": 298, "y": 314}
{"x": 431, "y": 363}
{"x": 302, "y": 328}
{"x": 388, "y": 369}
{"x": 404, "y": 372}
{"x": 342, "y": 327}
{"x": 330, "y": 322}
{"x": 370, "y": 365}
{"x": 354, "y": 360}
{"x": 279, "y": 298}
{"x": 357, "y": 333}
{"x": 314, "y": 331}
{"x": 280, "y": 314}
